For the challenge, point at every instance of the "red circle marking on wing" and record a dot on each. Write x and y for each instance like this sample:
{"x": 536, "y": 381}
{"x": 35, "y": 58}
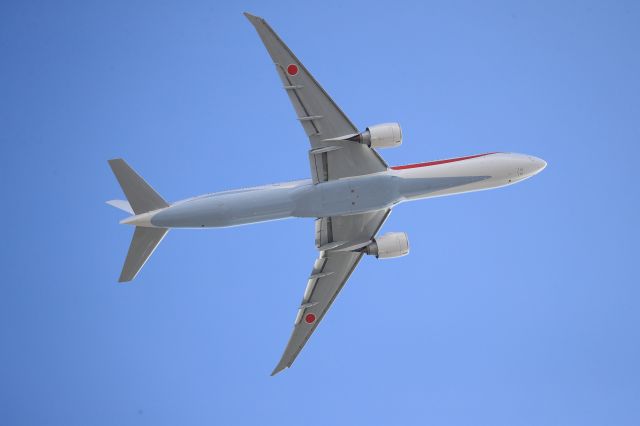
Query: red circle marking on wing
{"x": 310, "y": 318}
{"x": 292, "y": 69}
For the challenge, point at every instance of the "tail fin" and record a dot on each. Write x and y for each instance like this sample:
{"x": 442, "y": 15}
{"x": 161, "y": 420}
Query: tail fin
{"x": 142, "y": 199}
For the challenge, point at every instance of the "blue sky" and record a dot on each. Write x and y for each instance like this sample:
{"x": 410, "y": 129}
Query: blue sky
{"x": 517, "y": 306}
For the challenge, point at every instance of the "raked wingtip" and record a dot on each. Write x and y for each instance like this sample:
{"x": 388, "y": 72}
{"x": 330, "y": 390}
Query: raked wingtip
{"x": 279, "y": 368}
{"x": 250, "y": 16}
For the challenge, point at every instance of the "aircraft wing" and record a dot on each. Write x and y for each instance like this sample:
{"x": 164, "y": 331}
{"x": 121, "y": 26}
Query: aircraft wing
{"x": 336, "y": 238}
{"x": 319, "y": 116}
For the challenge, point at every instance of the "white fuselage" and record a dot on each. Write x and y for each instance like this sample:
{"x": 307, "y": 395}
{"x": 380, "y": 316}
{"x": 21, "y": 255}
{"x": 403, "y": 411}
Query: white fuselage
{"x": 345, "y": 196}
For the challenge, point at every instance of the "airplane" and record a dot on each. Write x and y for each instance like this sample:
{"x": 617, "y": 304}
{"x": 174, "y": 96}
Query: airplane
{"x": 351, "y": 193}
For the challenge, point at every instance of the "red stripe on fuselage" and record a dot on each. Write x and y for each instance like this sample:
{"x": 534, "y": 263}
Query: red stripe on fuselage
{"x": 435, "y": 163}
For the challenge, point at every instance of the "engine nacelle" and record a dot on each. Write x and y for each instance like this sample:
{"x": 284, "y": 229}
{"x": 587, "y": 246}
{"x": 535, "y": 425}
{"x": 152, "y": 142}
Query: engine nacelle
{"x": 387, "y": 135}
{"x": 391, "y": 244}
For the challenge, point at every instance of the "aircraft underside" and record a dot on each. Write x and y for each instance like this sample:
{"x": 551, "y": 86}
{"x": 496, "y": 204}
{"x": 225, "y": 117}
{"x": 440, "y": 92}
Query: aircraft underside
{"x": 351, "y": 193}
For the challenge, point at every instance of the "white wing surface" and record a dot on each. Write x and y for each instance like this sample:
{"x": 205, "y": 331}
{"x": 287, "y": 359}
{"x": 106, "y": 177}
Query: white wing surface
{"x": 336, "y": 237}
{"x": 319, "y": 115}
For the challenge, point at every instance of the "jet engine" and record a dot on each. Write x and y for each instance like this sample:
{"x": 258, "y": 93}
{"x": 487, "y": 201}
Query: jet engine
{"x": 388, "y": 135}
{"x": 391, "y": 244}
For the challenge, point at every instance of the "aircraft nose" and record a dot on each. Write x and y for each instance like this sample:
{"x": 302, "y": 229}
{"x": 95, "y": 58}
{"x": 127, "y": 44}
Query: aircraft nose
{"x": 526, "y": 165}
{"x": 537, "y": 165}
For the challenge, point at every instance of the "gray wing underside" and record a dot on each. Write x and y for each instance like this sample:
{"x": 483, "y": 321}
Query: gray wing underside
{"x": 330, "y": 272}
{"x": 319, "y": 116}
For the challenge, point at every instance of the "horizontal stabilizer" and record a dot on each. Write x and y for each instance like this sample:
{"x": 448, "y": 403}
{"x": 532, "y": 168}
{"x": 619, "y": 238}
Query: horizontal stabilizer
{"x": 144, "y": 242}
{"x": 141, "y": 196}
